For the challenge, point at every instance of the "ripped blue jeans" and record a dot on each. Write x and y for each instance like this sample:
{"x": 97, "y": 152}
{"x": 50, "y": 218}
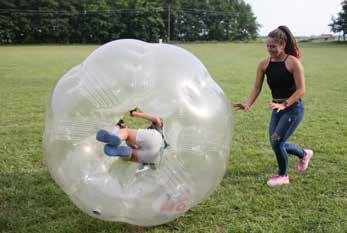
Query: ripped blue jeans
{"x": 282, "y": 126}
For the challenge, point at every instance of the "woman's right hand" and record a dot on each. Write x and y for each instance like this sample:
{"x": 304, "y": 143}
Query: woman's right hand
{"x": 131, "y": 112}
{"x": 239, "y": 106}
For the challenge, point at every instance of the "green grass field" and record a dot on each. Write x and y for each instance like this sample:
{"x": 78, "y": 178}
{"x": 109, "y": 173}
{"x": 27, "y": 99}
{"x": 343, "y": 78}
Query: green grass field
{"x": 316, "y": 201}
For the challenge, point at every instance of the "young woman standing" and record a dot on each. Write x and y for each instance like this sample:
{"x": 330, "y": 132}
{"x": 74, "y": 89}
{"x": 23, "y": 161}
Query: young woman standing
{"x": 285, "y": 77}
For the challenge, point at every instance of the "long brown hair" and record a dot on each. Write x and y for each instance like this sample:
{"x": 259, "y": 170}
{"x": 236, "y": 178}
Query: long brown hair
{"x": 282, "y": 35}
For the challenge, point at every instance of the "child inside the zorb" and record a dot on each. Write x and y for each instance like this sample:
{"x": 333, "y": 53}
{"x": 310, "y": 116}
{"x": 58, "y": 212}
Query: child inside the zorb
{"x": 141, "y": 145}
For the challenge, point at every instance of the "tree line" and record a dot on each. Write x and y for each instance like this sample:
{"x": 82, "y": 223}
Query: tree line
{"x": 339, "y": 23}
{"x": 99, "y": 21}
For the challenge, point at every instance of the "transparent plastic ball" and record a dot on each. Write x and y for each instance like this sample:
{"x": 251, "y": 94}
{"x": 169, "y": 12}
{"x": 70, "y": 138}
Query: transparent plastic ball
{"x": 162, "y": 80}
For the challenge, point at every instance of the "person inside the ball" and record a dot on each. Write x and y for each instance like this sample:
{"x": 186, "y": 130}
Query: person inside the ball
{"x": 141, "y": 145}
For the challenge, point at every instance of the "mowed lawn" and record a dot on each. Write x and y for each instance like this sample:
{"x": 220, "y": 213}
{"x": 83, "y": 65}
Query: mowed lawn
{"x": 316, "y": 201}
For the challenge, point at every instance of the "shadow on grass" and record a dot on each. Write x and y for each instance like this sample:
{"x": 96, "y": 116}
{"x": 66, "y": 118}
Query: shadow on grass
{"x": 32, "y": 202}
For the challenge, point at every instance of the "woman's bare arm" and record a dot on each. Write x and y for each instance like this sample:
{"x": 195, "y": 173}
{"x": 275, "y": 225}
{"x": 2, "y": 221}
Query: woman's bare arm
{"x": 257, "y": 86}
{"x": 298, "y": 74}
{"x": 146, "y": 116}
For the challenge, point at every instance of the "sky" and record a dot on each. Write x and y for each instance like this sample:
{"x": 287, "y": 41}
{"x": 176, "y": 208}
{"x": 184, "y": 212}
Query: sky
{"x": 303, "y": 17}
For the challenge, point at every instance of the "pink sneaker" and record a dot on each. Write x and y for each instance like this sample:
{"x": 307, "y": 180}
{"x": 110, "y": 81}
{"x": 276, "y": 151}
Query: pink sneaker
{"x": 303, "y": 163}
{"x": 278, "y": 180}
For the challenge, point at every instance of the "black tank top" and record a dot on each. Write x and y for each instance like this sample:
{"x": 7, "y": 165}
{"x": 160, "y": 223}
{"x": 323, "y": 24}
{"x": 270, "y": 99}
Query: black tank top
{"x": 280, "y": 80}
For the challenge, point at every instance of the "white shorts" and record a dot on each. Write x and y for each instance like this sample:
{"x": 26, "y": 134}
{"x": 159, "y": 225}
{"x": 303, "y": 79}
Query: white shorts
{"x": 149, "y": 142}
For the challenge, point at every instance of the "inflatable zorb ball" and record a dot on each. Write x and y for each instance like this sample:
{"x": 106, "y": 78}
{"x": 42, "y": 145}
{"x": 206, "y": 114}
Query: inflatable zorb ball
{"x": 162, "y": 80}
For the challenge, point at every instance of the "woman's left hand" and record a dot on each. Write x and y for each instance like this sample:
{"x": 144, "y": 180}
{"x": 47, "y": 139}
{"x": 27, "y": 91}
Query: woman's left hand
{"x": 278, "y": 107}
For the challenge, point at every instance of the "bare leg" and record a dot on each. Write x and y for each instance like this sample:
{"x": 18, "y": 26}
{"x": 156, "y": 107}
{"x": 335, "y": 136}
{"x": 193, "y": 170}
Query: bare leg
{"x": 133, "y": 157}
{"x": 123, "y": 134}
{"x": 128, "y": 135}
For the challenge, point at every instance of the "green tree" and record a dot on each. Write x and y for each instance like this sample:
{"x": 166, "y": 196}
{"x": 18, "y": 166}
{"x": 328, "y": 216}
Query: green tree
{"x": 214, "y": 20}
{"x": 93, "y": 23}
{"x": 7, "y": 25}
{"x": 339, "y": 24}
{"x": 143, "y": 20}
{"x": 99, "y": 21}
{"x": 190, "y": 20}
